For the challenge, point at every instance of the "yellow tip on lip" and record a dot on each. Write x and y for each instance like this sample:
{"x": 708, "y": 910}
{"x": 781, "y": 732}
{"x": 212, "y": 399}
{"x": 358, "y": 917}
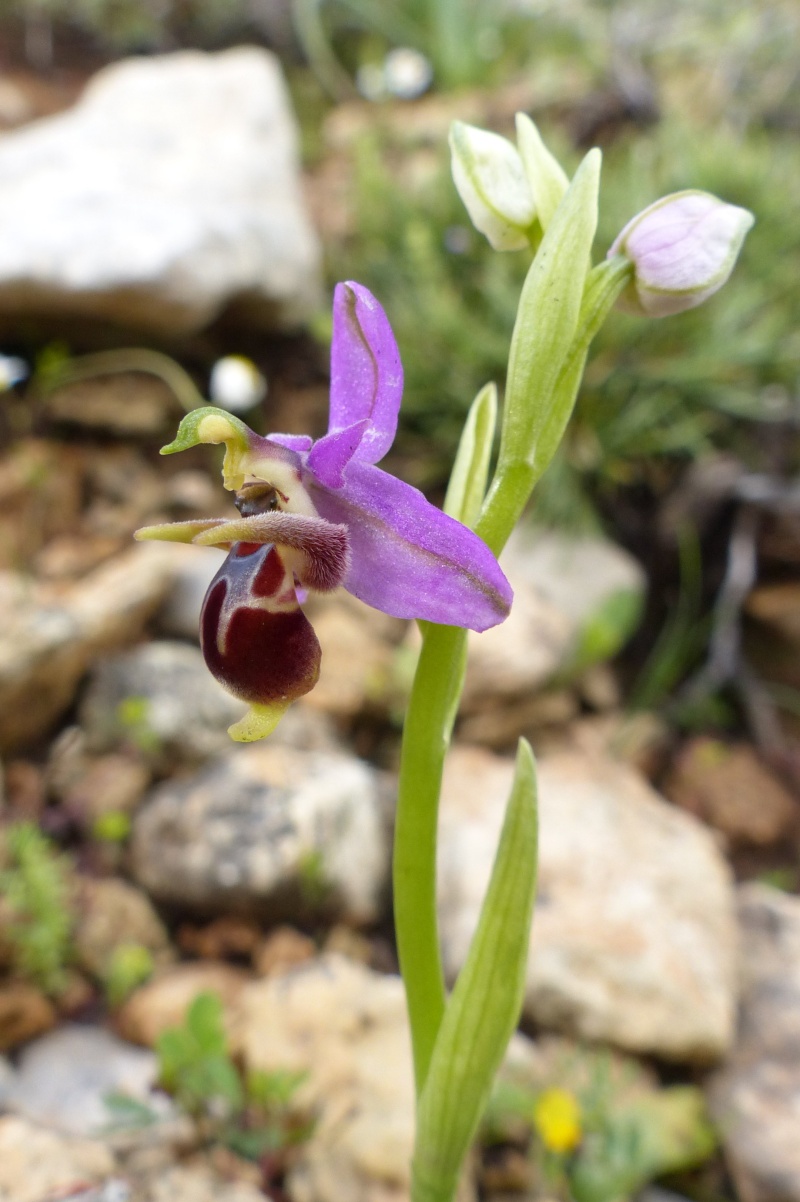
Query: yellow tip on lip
{"x": 258, "y": 722}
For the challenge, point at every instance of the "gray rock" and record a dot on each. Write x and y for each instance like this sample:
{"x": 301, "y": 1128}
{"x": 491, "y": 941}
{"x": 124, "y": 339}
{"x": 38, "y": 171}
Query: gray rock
{"x": 576, "y": 574}
{"x": 36, "y": 1163}
{"x": 346, "y": 1028}
{"x": 634, "y": 936}
{"x": 195, "y": 1183}
{"x": 162, "y": 695}
{"x": 575, "y": 602}
{"x": 163, "y": 1001}
{"x": 756, "y": 1096}
{"x": 170, "y": 190}
{"x": 111, "y": 915}
{"x": 49, "y": 637}
{"x": 195, "y": 568}
{"x": 267, "y": 828}
{"x": 64, "y": 1079}
{"x": 7, "y": 1076}
{"x": 358, "y": 657}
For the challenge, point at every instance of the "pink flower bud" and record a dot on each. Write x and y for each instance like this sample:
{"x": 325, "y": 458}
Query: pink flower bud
{"x": 683, "y": 249}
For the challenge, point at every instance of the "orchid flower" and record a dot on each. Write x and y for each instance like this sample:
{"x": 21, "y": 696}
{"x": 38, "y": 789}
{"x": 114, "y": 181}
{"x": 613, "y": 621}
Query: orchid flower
{"x": 321, "y": 514}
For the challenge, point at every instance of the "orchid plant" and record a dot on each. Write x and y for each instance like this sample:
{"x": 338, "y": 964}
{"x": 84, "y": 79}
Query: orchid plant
{"x": 317, "y": 515}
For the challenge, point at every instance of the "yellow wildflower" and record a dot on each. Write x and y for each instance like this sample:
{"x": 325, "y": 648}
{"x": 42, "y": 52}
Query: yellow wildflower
{"x": 557, "y": 1119}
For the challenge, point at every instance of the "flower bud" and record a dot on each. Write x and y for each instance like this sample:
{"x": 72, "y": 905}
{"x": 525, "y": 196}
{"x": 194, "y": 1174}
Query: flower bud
{"x": 491, "y": 181}
{"x": 683, "y": 249}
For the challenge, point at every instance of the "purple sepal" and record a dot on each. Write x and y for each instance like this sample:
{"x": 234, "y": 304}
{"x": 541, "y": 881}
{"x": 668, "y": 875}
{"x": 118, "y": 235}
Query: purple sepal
{"x": 330, "y": 455}
{"x": 293, "y": 442}
{"x": 366, "y": 372}
{"x": 408, "y": 558}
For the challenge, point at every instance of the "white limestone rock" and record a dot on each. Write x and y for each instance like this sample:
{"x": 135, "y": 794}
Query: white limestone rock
{"x": 634, "y": 936}
{"x": 170, "y": 190}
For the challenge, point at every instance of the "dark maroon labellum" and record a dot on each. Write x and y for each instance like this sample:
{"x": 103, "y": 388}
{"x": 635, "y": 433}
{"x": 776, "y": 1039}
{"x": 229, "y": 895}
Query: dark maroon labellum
{"x": 256, "y": 640}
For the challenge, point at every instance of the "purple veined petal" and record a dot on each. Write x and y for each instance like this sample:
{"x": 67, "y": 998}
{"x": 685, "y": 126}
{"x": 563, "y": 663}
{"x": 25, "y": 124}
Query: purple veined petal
{"x": 366, "y": 372}
{"x": 408, "y": 558}
{"x": 330, "y": 455}
{"x": 293, "y": 442}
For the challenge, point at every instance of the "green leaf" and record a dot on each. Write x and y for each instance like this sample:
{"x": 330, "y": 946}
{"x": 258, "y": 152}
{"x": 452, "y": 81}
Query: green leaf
{"x": 549, "y": 314}
{"x": 546, "y": 176}
{"x": 544, "y": 366}
{"x": 674, "y": 1129}
{"x": 205, "y": 1023}
{"x": 484, "y": 1008}
{"x": 175, "y": 1048}
{"x": 604, "y": 284}
{"x": 467, "y": 486}
{"x": 663, "y": 1132}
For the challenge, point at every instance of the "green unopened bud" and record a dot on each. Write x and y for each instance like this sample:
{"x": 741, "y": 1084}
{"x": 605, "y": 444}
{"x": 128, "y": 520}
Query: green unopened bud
{"x": 490, "y": 177}
{"x": 546, "y": 177}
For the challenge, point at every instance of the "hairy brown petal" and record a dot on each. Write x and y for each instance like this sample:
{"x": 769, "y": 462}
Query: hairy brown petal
{"x": 322, "y": 548}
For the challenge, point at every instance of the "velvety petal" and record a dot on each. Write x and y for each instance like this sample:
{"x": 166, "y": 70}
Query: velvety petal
{"x": 321, "y": 552}
{"x": 366, "y": 372}
{"x": 408, "y": 558}
{"x": 330, "y": 455}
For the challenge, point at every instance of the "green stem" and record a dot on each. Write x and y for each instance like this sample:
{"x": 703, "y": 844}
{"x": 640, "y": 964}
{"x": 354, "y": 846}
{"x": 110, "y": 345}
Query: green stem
{"x": 426, "y": 736}
{"x": 516, "y": 477}
{"x": 436, "y": 693}
{"x": 136, "y": 359}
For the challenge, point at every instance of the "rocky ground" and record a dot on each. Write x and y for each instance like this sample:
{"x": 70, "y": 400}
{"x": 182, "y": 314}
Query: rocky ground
{"x": 261, "y": 874}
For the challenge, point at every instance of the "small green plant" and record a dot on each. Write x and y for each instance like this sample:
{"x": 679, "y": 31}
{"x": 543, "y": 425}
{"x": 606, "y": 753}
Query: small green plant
{"x": 133, "y": 717}
{"x": 130, "y": 966}
{"x": 253, "y": 1113}
{"x": 657, "y": 395}
{"x": 603, "y": 1138}
{"x": 36, "y": 890}
{"x": 313, "y": 879}
{"x": 114, "y": 826}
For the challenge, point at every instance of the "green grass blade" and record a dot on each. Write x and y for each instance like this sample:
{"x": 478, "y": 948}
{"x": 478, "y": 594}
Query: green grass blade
{"x": 467, "y": 486}
{"x": 484, "y": 1008}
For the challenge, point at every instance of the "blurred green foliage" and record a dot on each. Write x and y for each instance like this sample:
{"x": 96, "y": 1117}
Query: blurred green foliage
{"x": 35, "y": 887}
{"x": 466, "y": 42}
{"x": 655, "y": 390}
{"x": 252, "y": 1113}
{"x": 124, "y": 25}
{"x": 133, "y": 719}
{"x": 131, "y": 965}
{"x": 602, "y": 1137}
{"x": 194, "y": 1063}
{"x": 114, "y": 826}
